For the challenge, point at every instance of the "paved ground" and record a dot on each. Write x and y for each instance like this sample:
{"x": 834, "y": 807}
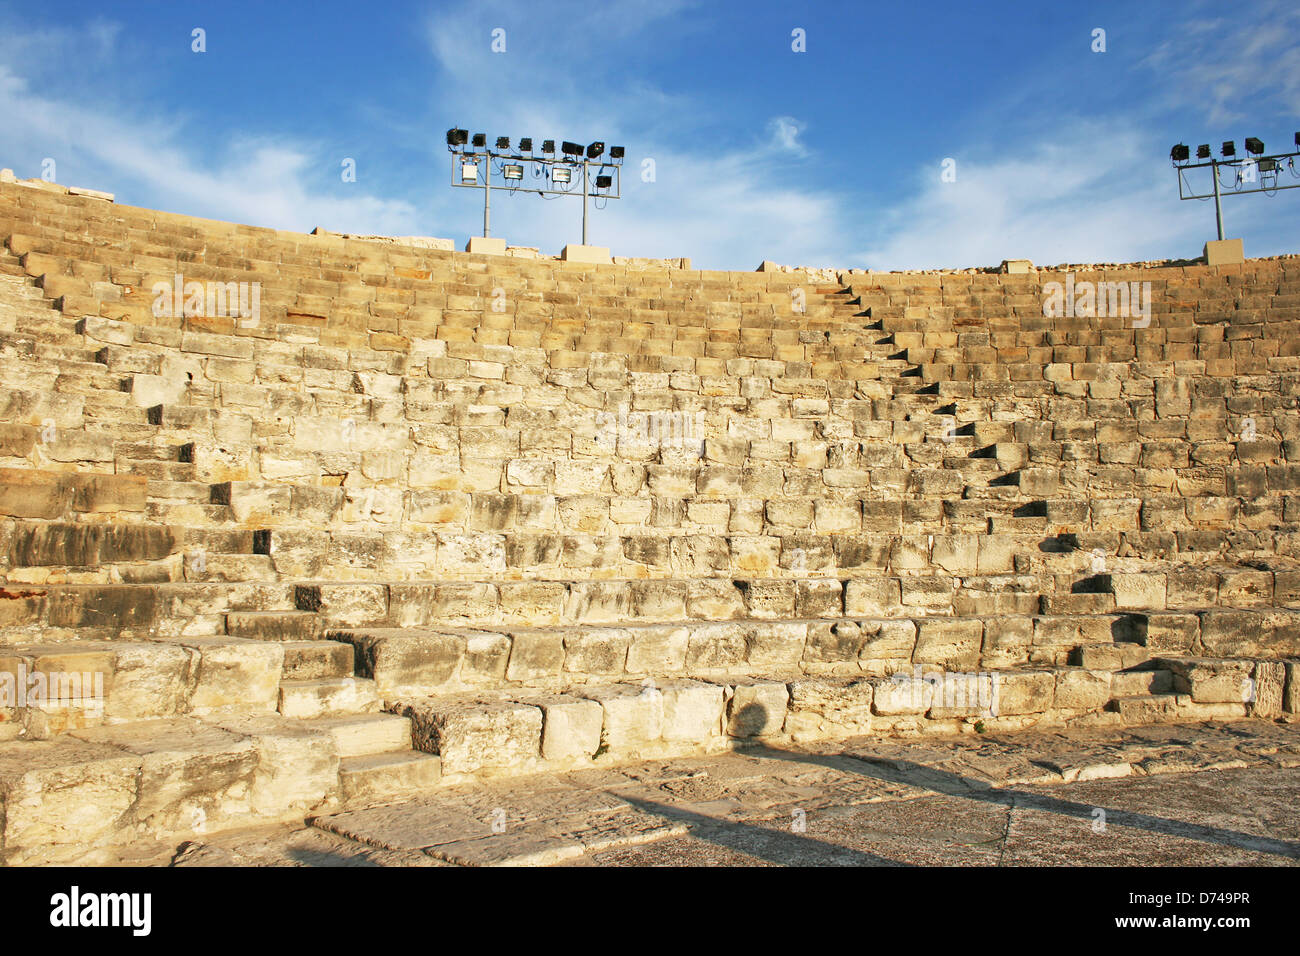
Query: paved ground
{"x": 1203, "y": 795}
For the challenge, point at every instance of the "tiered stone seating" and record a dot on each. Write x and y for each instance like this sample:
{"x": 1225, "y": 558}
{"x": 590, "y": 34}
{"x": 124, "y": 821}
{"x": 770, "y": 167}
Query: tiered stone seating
{"x": 430, "y": 516}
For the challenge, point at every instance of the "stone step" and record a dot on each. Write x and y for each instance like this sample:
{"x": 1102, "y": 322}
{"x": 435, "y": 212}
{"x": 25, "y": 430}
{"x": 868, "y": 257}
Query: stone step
{"x": 273, "y": 625}
{"x": 159, "y": 779}
{"x": 387, "y": 777}
{"x": 313, "y": 660}
{"x": 327, "y": 696}
{"x": 594, "y": 724}
{"x": 357, "y": 735}
{"x": 1142, "y": 683}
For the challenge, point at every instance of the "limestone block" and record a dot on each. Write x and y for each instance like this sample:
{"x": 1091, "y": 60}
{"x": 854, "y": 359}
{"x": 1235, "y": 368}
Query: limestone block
{"x": 634, "y": 714}
{"x": 535, "y": 654}
{"x": 903, "y": 693}
{"x": 658, "y": 649}
{"x": 872, "y": 597}
{"x": 233, "y": 673}
{"x": 472, "y": 734}
{"x": 1268, "y": 690}
{"x": 405, "y": 662}
{"x": 532, "y": 602}
{"x": 829, "y": 708}
{"x": 596, "y": 650}
{"x": 692, "y": 710}
{"x": 297, "y": 766}
{"x": 194, "y": 777}
{"x": 1080, "y": 689}
{"x": 570, "y": 725}
{"x": 1138, "y": 591}
{"x": 1249, "y": 634}
{"x": 933, "y": 593}
{"x": 1291, "y": 691}
{"x": 819, "y": 597}
{"x": 344, "y": 605}
{"x": 61, "y": 797}
{"x": 658, "y": 600}
{"x": 834, "y": 642}
{"x": 757, "y": 708}
{"x": 1007, "y": 641}
{"x": 1169, "y": 633}
{"x": 951, "y": 643}
{"x": 777, "y": 645}
{"x": 1212, "y": 681}
{"x": 485, "y": 657}
{"x": 1023, "y": 692}
{"x": 714, "y": 600}
{"x": 150, "y": 680}
{"x": 714, "y": 647}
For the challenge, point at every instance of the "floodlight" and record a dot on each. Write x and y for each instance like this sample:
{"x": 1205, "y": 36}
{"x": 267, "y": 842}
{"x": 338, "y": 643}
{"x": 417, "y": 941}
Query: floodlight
{"x": 571, "y": 149}
{"x": 1297, "y": 139}
{"x": 526, "y": 144}
{"x": 457, "y": 137}
{"x": 1268, "y": 165}
{"x": 503, "y": 142}
{"x": 480, "y": 140}
{"x": 595, "y": 149}
{"x": 469, "y": 172}
{"x": 1203, "y": 151}
{"x": 1229, "y": 148}
{"x": 559, "y": 174}
{"x": 548, "y": 146}
{"x": 616, "y": 152}
{"x": 604, "y": 182}
{"x": 1179, "y": 153}
{"x": 512, "y": 171}
{"x": 1254, "y": 145}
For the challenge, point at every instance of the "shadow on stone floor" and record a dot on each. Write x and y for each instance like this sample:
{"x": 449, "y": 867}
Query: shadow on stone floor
{"x": 950, "y": 784}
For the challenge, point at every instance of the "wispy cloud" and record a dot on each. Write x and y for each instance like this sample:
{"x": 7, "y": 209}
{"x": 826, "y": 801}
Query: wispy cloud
{"x": 1089, "y": 195}
{"x": 1231, "y": 67}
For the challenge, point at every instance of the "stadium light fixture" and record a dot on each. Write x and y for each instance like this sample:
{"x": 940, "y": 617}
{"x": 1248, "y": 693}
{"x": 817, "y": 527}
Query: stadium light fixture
{"x": 1247, "y": 170}
{"x": 475, "y": 163}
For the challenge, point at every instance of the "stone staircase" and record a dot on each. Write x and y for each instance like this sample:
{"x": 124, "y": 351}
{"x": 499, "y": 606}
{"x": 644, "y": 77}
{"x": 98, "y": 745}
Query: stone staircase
{"x": 430, "y": 517}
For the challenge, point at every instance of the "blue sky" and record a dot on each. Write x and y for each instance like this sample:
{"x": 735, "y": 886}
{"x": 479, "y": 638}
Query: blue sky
{"x": 828, "y": 157}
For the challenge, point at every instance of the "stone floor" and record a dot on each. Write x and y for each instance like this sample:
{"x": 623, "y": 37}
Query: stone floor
{"x": 1221, "y": 794}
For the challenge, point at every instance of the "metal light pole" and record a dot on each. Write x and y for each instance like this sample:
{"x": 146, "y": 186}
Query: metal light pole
{"x": 487, "y": 199}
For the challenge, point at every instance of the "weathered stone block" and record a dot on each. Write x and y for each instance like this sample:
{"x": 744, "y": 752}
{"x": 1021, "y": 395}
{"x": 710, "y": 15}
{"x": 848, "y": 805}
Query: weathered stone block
{"x": 757, "y": 708}
{"x": 821, "y": 709}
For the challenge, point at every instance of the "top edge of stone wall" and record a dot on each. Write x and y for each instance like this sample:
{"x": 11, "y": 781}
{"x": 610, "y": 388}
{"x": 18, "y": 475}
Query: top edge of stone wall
{"x": 444, "y": 248}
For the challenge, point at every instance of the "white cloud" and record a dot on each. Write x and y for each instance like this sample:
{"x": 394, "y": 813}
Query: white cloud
{"x": 1090, "y": 195}
{"x": 785, "y": 132}
{"x": 1230, "y": 67}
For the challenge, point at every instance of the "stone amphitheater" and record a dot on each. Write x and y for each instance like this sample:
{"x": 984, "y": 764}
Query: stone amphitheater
{"x": 407, "y": 518}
